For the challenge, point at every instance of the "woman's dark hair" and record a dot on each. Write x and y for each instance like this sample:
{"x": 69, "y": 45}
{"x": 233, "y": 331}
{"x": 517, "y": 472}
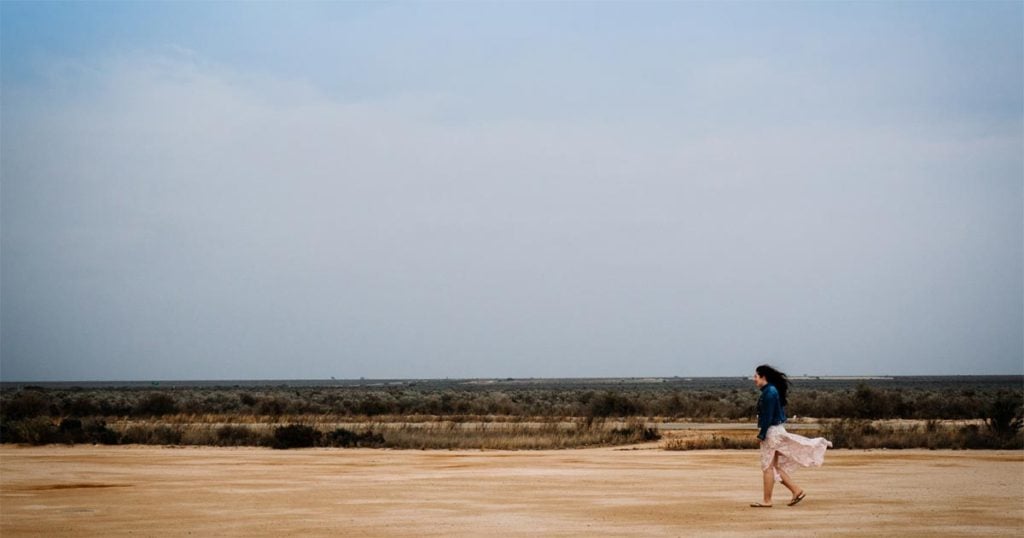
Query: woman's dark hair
{"x": 776, "y": 378}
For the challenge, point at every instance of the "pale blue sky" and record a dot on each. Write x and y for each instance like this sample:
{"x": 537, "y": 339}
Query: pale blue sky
{"x": 305, "y": 190}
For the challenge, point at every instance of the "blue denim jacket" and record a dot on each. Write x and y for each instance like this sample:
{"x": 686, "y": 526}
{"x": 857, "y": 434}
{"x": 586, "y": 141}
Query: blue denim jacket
{"x": 769, "y": 410}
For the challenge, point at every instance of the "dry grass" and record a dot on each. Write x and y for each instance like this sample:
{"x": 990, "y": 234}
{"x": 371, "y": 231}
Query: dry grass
{"x": 704, "y": 440}
{"x": 404, "y": 435}
{"x": 514, "y": 436}
{"x": 865, "y": 434}
{"x": 493, "y": 432}
{"x": 931, "y": 434}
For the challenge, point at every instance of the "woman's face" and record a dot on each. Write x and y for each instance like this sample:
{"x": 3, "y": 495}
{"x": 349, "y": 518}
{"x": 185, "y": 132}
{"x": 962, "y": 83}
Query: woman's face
{"x": 759, "y": 381}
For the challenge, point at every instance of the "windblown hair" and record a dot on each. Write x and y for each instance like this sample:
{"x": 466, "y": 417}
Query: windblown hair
{"x": 776, "y": 378}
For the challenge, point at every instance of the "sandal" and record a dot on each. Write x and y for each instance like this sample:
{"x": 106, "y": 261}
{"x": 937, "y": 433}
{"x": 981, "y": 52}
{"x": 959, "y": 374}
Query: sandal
{"x": 797, "y": 499}
{"x": 759, "y": 505}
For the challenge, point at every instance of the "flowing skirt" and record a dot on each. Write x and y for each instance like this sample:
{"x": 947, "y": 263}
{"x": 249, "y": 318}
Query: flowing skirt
{"x": 793, "y": 450}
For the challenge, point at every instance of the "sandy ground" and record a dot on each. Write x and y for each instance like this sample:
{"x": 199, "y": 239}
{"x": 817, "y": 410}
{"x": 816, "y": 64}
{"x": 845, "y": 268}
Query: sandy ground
{"x": 154, "y": 491}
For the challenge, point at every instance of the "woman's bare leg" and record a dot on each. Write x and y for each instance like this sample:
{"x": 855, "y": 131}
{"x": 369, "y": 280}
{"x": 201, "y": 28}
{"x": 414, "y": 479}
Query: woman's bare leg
{"x": 769, "y": 484}
{"x": 790, "y": 485}
{"x": 786, "y": 480}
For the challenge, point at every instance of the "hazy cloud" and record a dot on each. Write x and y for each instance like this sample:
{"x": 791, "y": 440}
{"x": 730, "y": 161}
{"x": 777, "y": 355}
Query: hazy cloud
{"x": 166, "y": 215}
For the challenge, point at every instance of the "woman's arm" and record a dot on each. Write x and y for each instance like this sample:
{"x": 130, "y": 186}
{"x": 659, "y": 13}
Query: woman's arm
{"x": 766, "y": 414}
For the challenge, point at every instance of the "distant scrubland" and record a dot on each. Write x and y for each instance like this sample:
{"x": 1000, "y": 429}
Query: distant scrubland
{"x": 949, "y": 413}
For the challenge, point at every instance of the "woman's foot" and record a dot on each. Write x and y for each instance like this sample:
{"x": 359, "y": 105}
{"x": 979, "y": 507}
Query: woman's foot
{"x": 760, "y": 505}
{"x": 797, "y": 498}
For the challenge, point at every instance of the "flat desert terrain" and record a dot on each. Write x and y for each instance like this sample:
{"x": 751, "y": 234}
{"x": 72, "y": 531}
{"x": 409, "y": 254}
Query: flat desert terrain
{"x": 638, "y": 491}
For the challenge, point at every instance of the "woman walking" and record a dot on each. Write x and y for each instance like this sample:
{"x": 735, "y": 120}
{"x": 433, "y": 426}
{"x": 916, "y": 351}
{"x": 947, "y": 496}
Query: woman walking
{"x": 781, "y": 451}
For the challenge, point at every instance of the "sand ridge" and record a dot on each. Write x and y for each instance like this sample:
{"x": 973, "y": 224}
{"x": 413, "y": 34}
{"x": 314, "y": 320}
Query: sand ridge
{"x": 166, "y": 491}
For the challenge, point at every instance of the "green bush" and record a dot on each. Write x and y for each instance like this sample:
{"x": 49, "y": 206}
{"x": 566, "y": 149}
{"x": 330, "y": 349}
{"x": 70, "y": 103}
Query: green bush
{"x": 41, "y": 430}
{"x": 246, "y": 399}
{"x": 70, "y": 430}
{"x": 295, "y": 436}
{"x": 82, "y": 406}
{"x": 346, "y": 438}
{"x": 613, "y": 404}
{"x": 155, "y": 404}
{"x": 1003, "y": 415}
{"x": 34, "y": 431}
{"x": 271, "y": 406}
{"x": 973, "y": 437}
{"x": 26, "y": 404}
{"x": 231, "y": 435}
{"x": 96, "y": 431}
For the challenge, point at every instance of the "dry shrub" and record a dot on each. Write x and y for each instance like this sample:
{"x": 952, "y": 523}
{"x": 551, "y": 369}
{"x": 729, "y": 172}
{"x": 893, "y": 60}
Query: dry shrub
{"x": 637, "y": 431}
{"x": 712, "y": 442}
{"x": 147, "y": 434}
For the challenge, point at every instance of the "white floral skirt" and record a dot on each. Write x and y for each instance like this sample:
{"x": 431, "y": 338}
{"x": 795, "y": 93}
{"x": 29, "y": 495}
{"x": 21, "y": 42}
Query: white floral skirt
{"x": 793, "y": 450}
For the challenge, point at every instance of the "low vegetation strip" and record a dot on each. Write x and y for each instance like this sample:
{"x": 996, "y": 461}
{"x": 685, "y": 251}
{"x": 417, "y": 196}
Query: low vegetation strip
{"x": 923, "y": 399}
{"x": 945, "y": 414}
{"x": 429, "y": 435}
{"x": 866, "y": 434}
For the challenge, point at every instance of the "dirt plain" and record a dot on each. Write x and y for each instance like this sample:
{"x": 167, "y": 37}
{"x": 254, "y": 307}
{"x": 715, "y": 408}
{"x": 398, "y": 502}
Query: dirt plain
{"x": 634, "y": 491}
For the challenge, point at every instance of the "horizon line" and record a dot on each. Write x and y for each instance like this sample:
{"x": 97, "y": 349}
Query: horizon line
{"x": 499, "y": 378}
